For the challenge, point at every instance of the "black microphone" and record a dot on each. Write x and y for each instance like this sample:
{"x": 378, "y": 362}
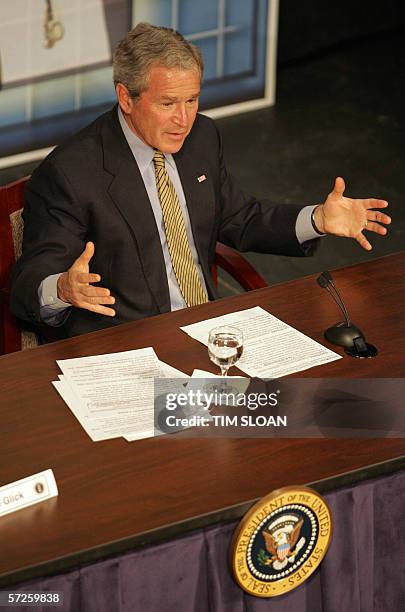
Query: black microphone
{"x": 332, "y": 289}
{"x": 345, "y": 333}
{"x": 324, "y": 282}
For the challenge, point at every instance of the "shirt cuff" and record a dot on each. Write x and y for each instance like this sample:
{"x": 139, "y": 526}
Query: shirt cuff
{"x": 52, "y": 309}
{"x": 303, "y": 225}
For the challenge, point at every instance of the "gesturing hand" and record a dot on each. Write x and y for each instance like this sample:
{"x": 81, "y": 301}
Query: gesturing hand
{"x": 350, "y": 217}
{"x": 74, "y": 286}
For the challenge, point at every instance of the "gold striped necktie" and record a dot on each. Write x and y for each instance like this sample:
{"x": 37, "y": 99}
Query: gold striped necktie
{"x": 183, "y": 263}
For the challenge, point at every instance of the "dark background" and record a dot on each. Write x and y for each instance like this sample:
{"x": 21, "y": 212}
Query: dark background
{"x": 339, "y": 111}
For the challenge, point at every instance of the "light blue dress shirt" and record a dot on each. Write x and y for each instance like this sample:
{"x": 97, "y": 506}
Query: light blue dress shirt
{"x": 53, "y": 309}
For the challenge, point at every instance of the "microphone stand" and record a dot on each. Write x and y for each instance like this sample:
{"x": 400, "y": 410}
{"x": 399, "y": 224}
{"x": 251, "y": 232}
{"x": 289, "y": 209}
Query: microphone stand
{"x": 344, "y": 333}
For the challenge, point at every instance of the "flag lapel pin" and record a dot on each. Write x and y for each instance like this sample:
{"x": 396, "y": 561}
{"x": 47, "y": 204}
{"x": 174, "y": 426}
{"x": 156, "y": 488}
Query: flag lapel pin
{"x": 201, "y": 178}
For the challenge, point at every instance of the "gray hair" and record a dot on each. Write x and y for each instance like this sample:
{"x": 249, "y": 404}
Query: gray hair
{"x": 146, "y": 46}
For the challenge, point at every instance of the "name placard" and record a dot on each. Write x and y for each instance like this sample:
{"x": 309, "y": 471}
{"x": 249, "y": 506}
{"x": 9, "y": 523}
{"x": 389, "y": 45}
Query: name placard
{"x": 27, "y": 491}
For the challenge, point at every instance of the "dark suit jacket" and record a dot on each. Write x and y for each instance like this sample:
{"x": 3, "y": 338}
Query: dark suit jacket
{"x": 90, "y": 188}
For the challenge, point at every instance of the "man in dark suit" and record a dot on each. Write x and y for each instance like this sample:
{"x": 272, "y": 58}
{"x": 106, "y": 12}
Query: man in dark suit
{"x": 106, "y": 206}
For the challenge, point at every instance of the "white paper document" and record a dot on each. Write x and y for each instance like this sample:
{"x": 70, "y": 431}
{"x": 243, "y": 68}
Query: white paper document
{"x": 166, "y": 383}
{"x": 271, "y": 347}
{"x": 112, "y": 395}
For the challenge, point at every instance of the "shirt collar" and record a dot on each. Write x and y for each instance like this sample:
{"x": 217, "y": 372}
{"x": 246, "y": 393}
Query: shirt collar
{"x": 142, "y": 152}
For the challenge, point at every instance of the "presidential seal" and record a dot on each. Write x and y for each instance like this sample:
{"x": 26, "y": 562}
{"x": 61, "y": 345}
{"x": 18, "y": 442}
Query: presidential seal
{"x": 281, "y": 541}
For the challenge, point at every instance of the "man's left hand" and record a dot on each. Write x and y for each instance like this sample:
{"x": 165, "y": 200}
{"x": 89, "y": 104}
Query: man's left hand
{"x": 349, "y": 217}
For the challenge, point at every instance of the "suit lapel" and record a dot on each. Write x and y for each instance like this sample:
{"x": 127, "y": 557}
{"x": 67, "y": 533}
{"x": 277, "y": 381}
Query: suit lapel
{"x": 129, "y": 195}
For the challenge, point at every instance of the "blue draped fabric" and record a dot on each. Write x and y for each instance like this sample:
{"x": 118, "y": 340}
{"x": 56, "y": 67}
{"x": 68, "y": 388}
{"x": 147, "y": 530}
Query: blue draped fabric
{"x": 363, "y": 570}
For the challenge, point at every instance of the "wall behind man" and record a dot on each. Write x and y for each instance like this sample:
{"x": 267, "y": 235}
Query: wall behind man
{"x": 310, "y": 26}
{"x": 339, "y": 111}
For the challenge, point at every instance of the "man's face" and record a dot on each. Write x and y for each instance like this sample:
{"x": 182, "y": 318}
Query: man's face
{"x": 164, "y": 114}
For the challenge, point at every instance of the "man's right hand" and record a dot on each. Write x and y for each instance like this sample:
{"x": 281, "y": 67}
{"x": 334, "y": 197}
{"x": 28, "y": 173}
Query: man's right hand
{"x": 74, "y": 286}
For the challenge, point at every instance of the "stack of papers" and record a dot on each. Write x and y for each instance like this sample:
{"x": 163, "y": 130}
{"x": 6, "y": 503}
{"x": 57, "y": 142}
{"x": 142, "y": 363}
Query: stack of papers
{"x": 112, "y": 395}
{"x": 271, "y": 347}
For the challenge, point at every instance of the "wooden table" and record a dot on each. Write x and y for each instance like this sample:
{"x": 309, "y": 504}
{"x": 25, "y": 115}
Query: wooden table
{"x": 115, "y": 495}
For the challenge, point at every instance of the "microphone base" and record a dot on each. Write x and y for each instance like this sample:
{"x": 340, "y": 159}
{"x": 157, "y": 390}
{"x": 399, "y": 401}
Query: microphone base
{"x": 364, "y": 352}
{"x": 342, "y": 334}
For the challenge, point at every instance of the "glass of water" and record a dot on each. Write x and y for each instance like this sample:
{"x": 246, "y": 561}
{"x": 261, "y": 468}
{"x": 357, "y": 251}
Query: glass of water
{"x": 225, "y": 346}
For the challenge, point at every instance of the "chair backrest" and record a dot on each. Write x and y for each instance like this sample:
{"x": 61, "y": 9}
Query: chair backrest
{"x": 11, "y": 231}
{"x": 238, "y": 267}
